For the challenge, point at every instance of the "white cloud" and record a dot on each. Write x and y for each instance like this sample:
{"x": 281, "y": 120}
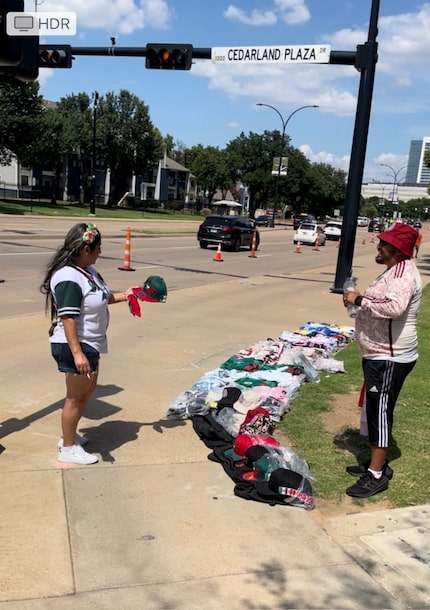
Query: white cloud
{"x": 255, "y": 17}
{"x": 121, "y": 16}
{"x": 288, "y": 11}
{"x": 44, "y": 75}
{"x": 403, "y": 45}
{"x": 292, "y": 11}
{"x": 339, "y": 162}
{"x": 281, "y": 84}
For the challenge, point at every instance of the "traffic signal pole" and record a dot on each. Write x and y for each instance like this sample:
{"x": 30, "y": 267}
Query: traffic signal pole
{"x": 367, "y": 56}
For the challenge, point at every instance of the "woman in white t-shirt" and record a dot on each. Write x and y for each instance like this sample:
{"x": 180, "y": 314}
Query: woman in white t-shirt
{"x": 78, "y": 300}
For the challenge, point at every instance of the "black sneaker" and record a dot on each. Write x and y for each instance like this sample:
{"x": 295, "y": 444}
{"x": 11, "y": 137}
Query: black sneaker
{"x": 359, "y": 469}
{"x": 368, "y": 486}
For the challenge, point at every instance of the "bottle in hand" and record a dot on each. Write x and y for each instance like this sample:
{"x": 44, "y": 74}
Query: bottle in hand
{"x": 349, "y": 286}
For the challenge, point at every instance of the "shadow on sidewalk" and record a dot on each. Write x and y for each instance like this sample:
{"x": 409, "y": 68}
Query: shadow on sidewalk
{"x": 98, "y": 409}
{"x": 105, "y": 437}
{"x": 110, "y": 435}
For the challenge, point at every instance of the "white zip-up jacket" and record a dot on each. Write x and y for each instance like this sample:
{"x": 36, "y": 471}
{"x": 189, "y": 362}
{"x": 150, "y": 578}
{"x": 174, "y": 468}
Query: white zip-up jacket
{"x": 386, "y": 323}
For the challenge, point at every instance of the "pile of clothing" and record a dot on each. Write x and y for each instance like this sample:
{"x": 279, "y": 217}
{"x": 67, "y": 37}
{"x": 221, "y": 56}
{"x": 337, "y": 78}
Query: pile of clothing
{"x": 269, "y": 373}
{"x": 236, "y": 407}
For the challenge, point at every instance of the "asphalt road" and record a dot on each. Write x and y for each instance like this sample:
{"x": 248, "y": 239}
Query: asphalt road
{"x": 177, "y": 258}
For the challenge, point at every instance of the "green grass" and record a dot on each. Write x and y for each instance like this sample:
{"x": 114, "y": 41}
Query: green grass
{"x": 328, "y": 453}
{"x": 44, "y": 208}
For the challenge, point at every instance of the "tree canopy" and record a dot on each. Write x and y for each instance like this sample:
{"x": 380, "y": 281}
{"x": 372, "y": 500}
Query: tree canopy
{"x": 119, "y": 128}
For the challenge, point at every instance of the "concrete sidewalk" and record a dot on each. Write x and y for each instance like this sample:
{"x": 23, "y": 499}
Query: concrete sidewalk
{"x": 155, "y": 524}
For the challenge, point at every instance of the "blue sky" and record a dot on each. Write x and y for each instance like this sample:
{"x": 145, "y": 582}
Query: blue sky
{"x": 213, "y": 103}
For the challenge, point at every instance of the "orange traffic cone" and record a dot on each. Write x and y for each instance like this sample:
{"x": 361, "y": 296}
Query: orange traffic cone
{"x": 316, "y": 247}
{"x": 372, "y": 239}
{"x": 218, "y": 255}
{"x": 363, "y": 241}
{"x": 126, "y": 265}
{"x": 252, "y": 254}
{"x": 338, "y": 244}
{"x": 297, "y": 249}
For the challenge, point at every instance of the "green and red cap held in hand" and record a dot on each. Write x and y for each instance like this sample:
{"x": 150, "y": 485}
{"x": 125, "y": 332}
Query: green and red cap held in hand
{"x": 154, "y": 290}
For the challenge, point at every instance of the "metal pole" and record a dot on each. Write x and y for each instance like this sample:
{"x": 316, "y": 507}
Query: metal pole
{"x": 395, "y": 181}
{"x": 284, "y": 127}
{"x": 366, "y": 59}
{"x": 94, "y": 160}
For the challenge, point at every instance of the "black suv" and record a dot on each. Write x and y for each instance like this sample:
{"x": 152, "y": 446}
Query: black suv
{"x": 230, "y": 231}
{"x": 376, "y": 226}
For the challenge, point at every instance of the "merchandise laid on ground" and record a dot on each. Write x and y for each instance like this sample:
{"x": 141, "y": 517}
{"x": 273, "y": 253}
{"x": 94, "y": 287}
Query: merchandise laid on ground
{"x": 236, "y": 407}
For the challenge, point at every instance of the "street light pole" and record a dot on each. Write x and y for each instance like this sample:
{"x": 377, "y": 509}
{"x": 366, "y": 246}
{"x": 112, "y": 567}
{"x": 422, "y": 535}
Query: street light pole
{"x": 284, "y": 127}
{"x": 94, "y": 159}
{"x": 395, "y": 175}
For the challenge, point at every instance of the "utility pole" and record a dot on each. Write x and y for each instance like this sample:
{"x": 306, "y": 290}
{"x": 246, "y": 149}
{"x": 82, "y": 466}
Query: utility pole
{"x": 94, "y": 160}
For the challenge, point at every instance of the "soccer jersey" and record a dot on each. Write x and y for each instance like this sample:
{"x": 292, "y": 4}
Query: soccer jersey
{"x": 385, "y": 326}
{"x": 83, "y": 294}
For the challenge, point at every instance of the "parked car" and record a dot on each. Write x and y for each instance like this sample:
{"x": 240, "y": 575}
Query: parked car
{"x": 263, "y": 221}
{"x": 417, "y": 224}
{"x": 310, "y": 233}
{"x": 362, "y": 221}
{"x": 297, "y": 220}
{"x": 333, "y": 230}
{"x": 376, "y": 226}
{"x": 231, "y": 232}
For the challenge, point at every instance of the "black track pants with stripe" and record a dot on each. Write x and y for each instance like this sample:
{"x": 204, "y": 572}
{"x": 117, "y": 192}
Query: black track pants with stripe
{"x": 383, "y": 380}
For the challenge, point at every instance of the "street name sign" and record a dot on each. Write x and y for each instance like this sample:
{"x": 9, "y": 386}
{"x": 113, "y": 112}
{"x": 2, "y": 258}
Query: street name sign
{"x": 315, "y": 54}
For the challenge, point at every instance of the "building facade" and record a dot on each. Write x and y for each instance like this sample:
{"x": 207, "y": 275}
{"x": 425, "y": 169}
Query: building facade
{"x": 170, "y": 181}
{"x": 417, "y": 172}
{"x": 389, "y": 192}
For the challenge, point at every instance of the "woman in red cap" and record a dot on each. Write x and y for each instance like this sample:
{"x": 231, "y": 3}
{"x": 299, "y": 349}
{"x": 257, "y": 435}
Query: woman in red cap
{"x": 386, "y": 334}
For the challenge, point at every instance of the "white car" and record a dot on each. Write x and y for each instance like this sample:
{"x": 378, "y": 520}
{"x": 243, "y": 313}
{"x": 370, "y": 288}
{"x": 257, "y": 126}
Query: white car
{"x": 310, "y": 233}
{"x": 333, "y": 230}
{"x": 362, "y": 221}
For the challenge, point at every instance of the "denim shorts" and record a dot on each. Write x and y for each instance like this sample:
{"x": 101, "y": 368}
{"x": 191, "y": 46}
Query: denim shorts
{"x": 65, "y": 361}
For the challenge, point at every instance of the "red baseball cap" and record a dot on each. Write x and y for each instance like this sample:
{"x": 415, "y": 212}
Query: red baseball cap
{"x": 245, "y": 441}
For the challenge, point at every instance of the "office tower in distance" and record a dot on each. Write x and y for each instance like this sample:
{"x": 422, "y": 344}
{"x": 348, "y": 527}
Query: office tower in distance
{"x": 417, "y": 172}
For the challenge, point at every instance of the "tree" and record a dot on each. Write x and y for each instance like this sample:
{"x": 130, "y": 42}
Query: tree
{"x": 127, "y": 141}
{"x": 209, "y": 165}
{"x": 250, "y": 159}
{"x": 327, "y": 188}
{"x": 74, "y": 118}
{"x": 21, "y": 111}
{"x": 178, "y": 152}
{"x": 169, "y": 143}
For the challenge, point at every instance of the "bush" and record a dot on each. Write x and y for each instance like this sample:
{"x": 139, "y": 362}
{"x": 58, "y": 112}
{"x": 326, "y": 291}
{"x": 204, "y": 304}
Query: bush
{"x": 206, "y": 212}
{"x": 131, "y": 202}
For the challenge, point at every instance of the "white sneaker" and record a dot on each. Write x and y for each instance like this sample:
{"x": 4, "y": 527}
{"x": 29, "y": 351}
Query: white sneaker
{"x": 79, "y": 440}
{"x": 77, "y": 455}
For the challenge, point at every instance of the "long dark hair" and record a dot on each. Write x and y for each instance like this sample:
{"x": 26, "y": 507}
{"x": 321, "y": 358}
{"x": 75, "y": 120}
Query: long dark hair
{"x": 79, "y": 236}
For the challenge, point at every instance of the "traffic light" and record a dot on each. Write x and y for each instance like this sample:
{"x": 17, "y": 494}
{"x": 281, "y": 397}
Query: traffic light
{"x": 168, "y": 56}
{"x": 10, "y": 46}
{"x": 18, "y": 54}
{"x": 55, "y": 56}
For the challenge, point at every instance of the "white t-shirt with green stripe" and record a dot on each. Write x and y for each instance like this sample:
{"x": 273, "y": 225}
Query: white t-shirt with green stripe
{"x": 83, "y": 294}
